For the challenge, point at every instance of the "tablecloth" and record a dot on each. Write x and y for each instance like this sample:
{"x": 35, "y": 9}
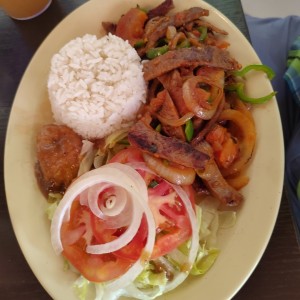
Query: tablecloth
{"x": 277, "y": 43}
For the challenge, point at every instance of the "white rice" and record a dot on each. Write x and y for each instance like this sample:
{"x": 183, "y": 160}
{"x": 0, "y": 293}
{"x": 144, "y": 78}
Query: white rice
{"x": 96, "y": 86}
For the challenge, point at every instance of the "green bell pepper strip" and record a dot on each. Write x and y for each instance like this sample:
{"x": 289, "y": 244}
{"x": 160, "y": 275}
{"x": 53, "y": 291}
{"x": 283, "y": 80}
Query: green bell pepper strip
{"x": 184, "y": 44}
{"x": 123, "y": 142}
{"x": 145, "y": 10}
{"x": 269, "y": 72}
{"x": 203, "y": 33}
{"x": 189, "y": 130}
{"x": 153, "y": 184}
{"x": 239, "y": 89}
{"x": 154, "y": 52}
{"x": 158, "y": 128}
{"x": 139, "y": 44}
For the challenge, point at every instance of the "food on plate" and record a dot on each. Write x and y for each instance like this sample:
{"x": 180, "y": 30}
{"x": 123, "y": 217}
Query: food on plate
{"x": 189, "y": 58}
{"x": 149, "y": 152}
{"x": 58, "y": 151}
{"x": 96, "y": 86}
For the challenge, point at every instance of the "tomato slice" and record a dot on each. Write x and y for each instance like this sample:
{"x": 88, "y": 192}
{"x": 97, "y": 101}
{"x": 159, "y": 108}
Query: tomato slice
{"x": 172, "y": 229}
{"x": 132, "y": 155}
{"x": 225, "y": 148}
{"x": 133, "y": 250}
{"x": 96, "y": 268}
{"x": 175, "y": 227}
{"x": 128, "y": 155}
{"x": 131, "y": 25}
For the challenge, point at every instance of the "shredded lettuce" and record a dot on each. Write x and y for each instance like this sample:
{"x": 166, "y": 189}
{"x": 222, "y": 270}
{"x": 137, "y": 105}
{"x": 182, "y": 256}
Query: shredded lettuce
{"x": 150, "y": 283}
{"x": 88, "y": 153}
{"x": 150, "y": 278}
{"x": 116, "y": 137}
{"x": 54, "y": 197}
{"x": 113, "y": 144}
{"x": 81, "y": 287}
{"x": 204, "y": 261}
{"x": 227, "y": 219}
{"x": 208, "y": 220}
{"x": 51, "y": 209}
{"x": 213, "y": 220}
{"x": 86, "y": 290}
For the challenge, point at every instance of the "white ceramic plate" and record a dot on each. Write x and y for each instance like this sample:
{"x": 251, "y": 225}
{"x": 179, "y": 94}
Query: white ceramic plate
{"x": 241, "y": 246}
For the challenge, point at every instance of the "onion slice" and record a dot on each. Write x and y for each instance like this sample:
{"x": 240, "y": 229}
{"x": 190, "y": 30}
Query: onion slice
{"x": 176, "y": 175}
{"x": 198, "y": 100}
{"x": 179, "y": 278}
{"x": 175, "y": 122}
{"x": 111, "y": 207}
{"x": 194, "y": 246}
{"x": 107, "y": 174}
{"x": 247, "y": 141}
{"x": 123, "y": 178}
{"x": 125, "y": 238}
{"x": 138, "y": 266}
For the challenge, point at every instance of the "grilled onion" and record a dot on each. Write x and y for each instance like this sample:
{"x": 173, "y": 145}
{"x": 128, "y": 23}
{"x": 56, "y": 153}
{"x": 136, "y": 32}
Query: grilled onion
{"x": 199, "y": 101}
{"x": 175, "y": 175}
{"x": 247, "y": 141}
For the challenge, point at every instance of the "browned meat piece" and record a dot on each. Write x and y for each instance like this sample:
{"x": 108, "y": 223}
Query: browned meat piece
{"x": 165, "y": 108}
{"x": 172, "y": 82}
{"x": 147, "y": 139}
{"x": 209, "y": 125}
{"x": 214, "y": 180}
{"x": 207, "y": 25}
{"x": 161, "y": 10}
{"x": 157, "y": 27}
{"x": 58, "y": 155}
{"x": 189, "y": 57}
{"x": 151, "y": 27}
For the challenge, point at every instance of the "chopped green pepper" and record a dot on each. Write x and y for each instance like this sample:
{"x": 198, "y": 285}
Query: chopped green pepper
{"x": 153, "y": 184}
{"x": 158, "y": 128}
{"x": 184, "y": 44}
{"x": 189, "y": 130}
{"x": 139, "y": 44}
{"x": 154, "y": 52}
{"x": 203, "y": 33}
{"x": 123, "y": 142}
{"x": 269, "y": 72}
{"x": 239, "y": 89}
{"x": 145, "y": 10}
{"x": 298, "y": 190}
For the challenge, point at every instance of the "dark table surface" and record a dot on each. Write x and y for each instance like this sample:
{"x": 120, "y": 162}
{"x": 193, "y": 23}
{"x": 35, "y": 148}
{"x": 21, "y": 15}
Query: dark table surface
{"x": 277, "y": 276}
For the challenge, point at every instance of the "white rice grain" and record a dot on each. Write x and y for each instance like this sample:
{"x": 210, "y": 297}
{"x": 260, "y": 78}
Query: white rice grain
{"x": 96, "y": 86}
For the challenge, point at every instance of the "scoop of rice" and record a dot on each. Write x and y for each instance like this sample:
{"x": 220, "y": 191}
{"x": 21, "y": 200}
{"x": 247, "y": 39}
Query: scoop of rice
{"x": 96, "y": 86}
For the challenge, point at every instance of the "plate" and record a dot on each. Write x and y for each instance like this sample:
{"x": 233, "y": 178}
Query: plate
{"x": 241, "y": 246}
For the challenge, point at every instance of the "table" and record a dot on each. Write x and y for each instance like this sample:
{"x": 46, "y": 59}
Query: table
{"x": 276, "y": 277}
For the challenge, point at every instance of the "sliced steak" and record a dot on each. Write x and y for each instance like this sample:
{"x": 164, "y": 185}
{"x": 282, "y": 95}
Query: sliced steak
{"x": 147, "y": 139}
{"x": 173, "y": 82}
{"x": 157, "y": 27}
{"x": 189, "y": 57}
{"x": 161, "y": 10}
{"x": 214, "y": 180}
{"x": 164, "y": 107}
